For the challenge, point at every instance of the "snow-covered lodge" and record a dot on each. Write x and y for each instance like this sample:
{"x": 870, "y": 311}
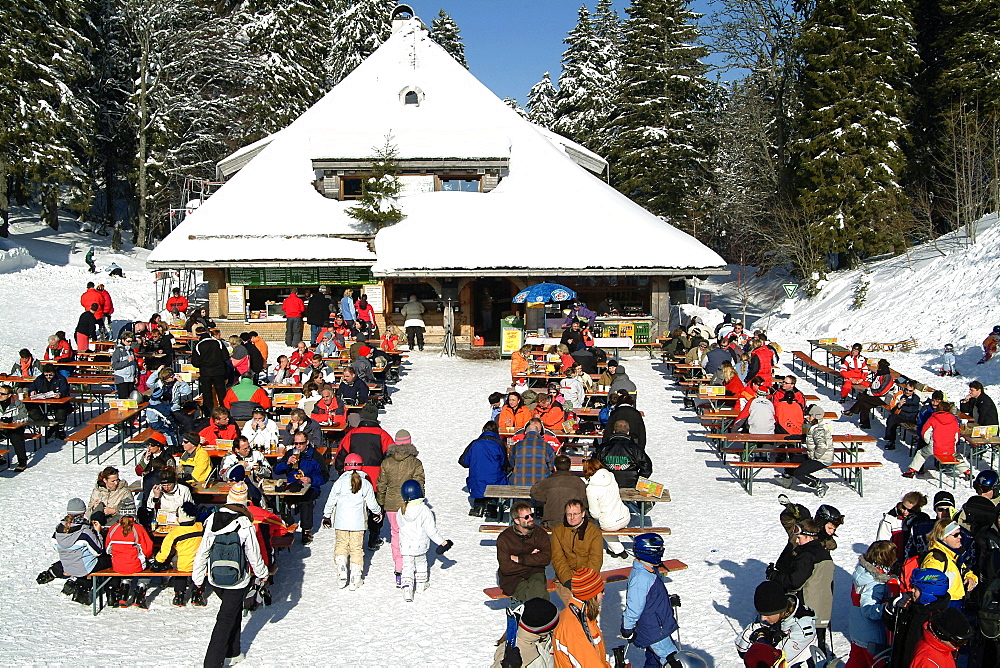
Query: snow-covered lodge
{"x": 493, "y": 203}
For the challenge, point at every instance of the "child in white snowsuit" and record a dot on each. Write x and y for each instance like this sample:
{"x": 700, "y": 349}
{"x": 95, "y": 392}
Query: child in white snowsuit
{"x": 416, "y": 529}
{"x": 350, "y": 496}
{"x": 948, "y": 367}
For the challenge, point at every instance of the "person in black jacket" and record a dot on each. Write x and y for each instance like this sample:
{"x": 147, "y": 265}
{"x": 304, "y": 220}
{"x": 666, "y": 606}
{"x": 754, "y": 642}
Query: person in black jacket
{"x": 257, "y": 361}
{"x": 352, "y": 391}
{"x": 210, "y": 356}
{"x": 317, "y": 314}
{"x": 624, "y": 458}
{"x": 572, "y": 336}
{"x": 586, "y": 359}
{"x": 158, "y": 349}
{"x": 806, "y": 569}
{"x": 979, "y": 405}
{"x": 50, "y": 381}
{"x": 904, "y": 409}
{"x": 624, "y": 409}
{"x": 86, "y": 328}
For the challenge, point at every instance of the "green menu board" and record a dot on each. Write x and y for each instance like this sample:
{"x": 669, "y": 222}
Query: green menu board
{"x": 289, "y": 276}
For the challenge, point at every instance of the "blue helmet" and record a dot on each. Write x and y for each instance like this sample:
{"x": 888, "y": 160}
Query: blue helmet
{"x": 411, "y": 490}
{"x": 932, "y": 584}
{"x": 986, "y": 480}
{"x": 648, "y": 547}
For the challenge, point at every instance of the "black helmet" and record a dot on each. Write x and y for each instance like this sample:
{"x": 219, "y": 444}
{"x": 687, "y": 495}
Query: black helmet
{"x": 827, "y": 513}
{"x": 986, "y": 480}
{"x": 951, "y": 626}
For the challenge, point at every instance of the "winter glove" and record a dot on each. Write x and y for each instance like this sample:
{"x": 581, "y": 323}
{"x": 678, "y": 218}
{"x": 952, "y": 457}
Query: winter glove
{"x": 768, "y": 574}
{"x": 675, "y": 600}
{"x": 901, "y": 601}
{"x": 327, "y": 523}
{"x": 444, "y": 547}
{"x": 628, "y": 634}
{"x": 511, "y": 658}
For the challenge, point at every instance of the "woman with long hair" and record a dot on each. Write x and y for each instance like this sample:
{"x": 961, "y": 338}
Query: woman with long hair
{"x": 110, "y": 496}
{"x": 605, "y": 504}
{"x": 130, "y": 548}
{"x": 514, "y": 413}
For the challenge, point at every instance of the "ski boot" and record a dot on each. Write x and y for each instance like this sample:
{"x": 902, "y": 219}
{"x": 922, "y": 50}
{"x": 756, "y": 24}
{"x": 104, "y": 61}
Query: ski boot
{"x": 342, "y": 571}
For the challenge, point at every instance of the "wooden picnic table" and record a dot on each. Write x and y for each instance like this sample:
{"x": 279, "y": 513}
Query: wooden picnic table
{"x": 626, "y": 494}
{"x": 215, "y": 490}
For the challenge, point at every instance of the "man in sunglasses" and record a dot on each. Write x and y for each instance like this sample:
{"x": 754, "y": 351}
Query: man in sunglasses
{"x": 12, "y": 411}
{"x": 903, "y": 408}
{"x": 50, "y": 385}
{"x": 523, "y": 552}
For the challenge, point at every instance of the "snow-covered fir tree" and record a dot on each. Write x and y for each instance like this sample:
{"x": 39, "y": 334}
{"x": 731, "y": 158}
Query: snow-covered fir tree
{"x": 582, "y": 84}
{"x": 283, "y": 45}
{"x": 46, "y": 119}
{"x": 858, "y": 58}
{"x": 378, "y": 205}
{"x": 445, "y": 32}
{"x": 513, "y": 104}
{"x": 542, "y": 103}
{"x": 661, "y": 143}
{"x": 358, "y": 28}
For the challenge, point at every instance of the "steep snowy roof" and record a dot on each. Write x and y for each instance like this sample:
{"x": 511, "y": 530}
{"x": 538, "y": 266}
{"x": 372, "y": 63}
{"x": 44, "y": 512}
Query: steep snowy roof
{"x": 270, "y": 211}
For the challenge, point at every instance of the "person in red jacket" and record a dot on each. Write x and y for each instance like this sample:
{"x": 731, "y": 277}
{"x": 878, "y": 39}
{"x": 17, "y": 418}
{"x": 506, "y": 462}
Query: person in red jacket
{"x": 743, "y": 401}
{"x": 178, "y": 301}
{"x": 371, "y": 442}
{"x": 854, "y": 371}
{"x": 328, "y": 409}
{"x": 92, "y": 296}
{"x": 58, "y": 350}
{"x": 880, "y": 384}
{"x": 762, "y": 359}
{"x": 301, "y": 357}
{"x": 220, "y": 426}
{"x": 293, "y": 307}
{"x": 944, "y": 634}
{"x": 940, "y": 434}
{"x": 108, "y": 307}
{"x": 788, "y": 414}
{"x": 130, "y": 548}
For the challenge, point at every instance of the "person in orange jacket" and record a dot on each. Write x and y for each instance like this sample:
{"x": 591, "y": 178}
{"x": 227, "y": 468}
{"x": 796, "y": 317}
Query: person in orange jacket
{"x": 519, "y": 361}
{"x": 577, "y": 640}
{"x": 514, "y": 413}
{"x": 220, "y": 426}
{"x": 549, "y": 412}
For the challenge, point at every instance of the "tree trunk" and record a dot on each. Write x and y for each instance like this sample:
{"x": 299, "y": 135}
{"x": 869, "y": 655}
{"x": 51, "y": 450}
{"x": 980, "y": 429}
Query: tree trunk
{"x": 4, "y": 202}
{"x": 50, "y": 207}
{"x": 141, "y": 228}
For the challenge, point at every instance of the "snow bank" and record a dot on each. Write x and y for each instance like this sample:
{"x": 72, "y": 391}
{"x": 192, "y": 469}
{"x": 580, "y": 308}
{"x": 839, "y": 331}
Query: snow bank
{"x": 14, "y": 257}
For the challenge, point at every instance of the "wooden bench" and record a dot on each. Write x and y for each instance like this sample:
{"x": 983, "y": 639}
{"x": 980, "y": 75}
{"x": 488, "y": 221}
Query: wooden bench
{"x": 143, "y": 436}
{"x": 80, "y": 436}
{"x": 616, "y": 575}
{"x": 626, "y": 531}
{"x": 808, "y": 363}
{"x": 852, "y": 475}
{"x": 5, "y": 455}
{"x": 99, "y": 581}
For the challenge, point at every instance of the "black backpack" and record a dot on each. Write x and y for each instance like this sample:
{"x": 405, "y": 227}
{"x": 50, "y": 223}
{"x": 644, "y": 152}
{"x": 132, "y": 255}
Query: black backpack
{"x": 227, "y": 562}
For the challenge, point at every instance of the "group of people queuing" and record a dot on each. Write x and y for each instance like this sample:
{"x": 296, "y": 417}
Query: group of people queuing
{"x": 925, "y": 593}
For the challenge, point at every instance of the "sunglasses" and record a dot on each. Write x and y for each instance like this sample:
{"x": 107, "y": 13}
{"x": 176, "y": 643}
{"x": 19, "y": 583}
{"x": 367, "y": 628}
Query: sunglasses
{"x": 525, "y": 517}
{"x": 5, "y": 394}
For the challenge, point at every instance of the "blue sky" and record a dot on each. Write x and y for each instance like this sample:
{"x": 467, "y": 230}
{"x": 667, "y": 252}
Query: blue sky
{"x": 510, "y": 43}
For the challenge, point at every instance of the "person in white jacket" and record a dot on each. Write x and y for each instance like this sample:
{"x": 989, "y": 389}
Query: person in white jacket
{"x": 572, "y": 388}
{"x": 761, "y": 419}
{"x": 605, "y": 503}
{"x": 260, "y": 430}
{"x": 254, "y": 464}
{"x": 224, "y": 645}
{"x": 350, "y": 497}
{"x": 416, "y": 529}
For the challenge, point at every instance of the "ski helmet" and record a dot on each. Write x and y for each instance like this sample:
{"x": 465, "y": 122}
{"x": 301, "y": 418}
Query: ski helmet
{"x": 827, "y": 513}
{"x": 932, "y": 584}
{"x": 949, "y": 347}
{"x": 648, "y": 547}
{"x": 950, "y": 625}
{"x": 986, "y": 481}
{"x": 353, "y": 462}
{"x": 996, "y": 329}
{"x": 411, "y": 490}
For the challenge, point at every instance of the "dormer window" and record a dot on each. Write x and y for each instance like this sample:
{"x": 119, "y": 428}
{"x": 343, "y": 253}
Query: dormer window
{"x": 411, "y": 95}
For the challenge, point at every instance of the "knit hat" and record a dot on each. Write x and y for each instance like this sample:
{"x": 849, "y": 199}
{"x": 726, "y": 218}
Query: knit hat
{"x": 944, "y": 499}
{"x": 620, "y": 369}
{"x": 76, "y": 507}
{"x": 816, "y": 411}
{"x": 158, "y": 437}
{"x": 769, "y": 598}
{"x": 238, "y": 494}
{"x": 129, "y": 511}
{"x": 932, "y": 584}
{"x": 402, "y": 437}
{"x": 538, "y": 615}
{"x": 586, "y": 584}
{"x": 187, "y": 512}
{"x": 364, "y": 351}
{"x": 369, "y": 412}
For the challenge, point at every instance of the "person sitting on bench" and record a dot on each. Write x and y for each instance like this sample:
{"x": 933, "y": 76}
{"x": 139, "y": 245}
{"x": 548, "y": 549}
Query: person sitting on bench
{"x": 52, "y": 384}
{"x": 819, "y": 454}
{"x": 854, "y": 371}
{"x": 879, "y": 386}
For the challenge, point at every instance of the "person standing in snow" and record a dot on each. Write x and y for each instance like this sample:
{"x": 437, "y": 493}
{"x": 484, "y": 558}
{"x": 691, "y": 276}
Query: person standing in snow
{"x": 349, "y": 497}
{"x": 401, "y": 464}
{"x": 124, "y": 366}
{"x": 531, "y": 646}
{"x": 317, "y": 313}
{"x": 89, "y": 259}
{"x": 577, "y": 640}
{"x": 365, "y": 314}
{"x": 293, "y": 307}
{"x": 416, "y": 529}
{"x": 649, "y": 620}
{"x": 413, "y": 320}
{"x": 785, "y": 621}
{"x": 108, "y": 307}
{"x": 86, "y": 328}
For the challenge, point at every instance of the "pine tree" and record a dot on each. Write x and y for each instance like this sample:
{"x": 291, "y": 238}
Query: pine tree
{"x": 377, "y": 207}
{"x": 580, "y": 83}
{"x": 513, "y": 104}
{"x": 46, "y": 124}
{"x": 542, "y": 103}
{"x": 445, "y": 32}
{"x": 359, "y": 27}
{"x": 282, "y": 79}
{"x": 857, "y": 58}
{"x": 661, "y": 142}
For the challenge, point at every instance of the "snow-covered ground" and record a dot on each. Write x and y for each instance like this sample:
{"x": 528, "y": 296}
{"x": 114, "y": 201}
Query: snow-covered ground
{"x": 725, "y": 536}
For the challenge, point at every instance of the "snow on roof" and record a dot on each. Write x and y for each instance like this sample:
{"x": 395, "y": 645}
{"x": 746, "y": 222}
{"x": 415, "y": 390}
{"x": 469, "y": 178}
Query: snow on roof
{"x": 270, "y": 210}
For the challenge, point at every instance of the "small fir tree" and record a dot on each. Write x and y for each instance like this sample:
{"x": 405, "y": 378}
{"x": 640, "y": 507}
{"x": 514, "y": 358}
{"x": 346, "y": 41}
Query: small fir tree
{"x": 542, "y": 103}
{"x": 445, "y": 32}
{"x": 378, "y": 205}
